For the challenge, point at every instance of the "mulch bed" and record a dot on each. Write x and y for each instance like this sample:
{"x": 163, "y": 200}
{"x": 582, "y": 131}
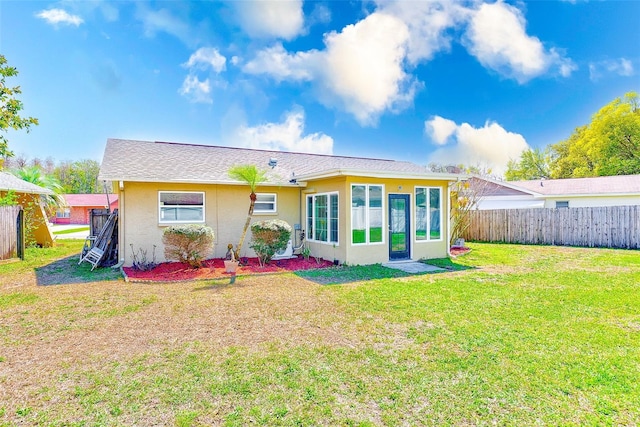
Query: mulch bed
{"x": 214, "y": 269}
{"x": 459, "y": 250}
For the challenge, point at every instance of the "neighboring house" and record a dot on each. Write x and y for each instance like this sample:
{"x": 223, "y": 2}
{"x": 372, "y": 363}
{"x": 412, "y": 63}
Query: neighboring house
{"x": 355, "y": 210}
{"x": 78, "y": 207}
{"x": 29, "y": 194}
{"x": 623, "y": 190}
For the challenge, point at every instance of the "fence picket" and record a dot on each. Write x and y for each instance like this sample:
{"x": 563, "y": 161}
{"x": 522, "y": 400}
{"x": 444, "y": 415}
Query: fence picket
{"x": 612, "y": 227}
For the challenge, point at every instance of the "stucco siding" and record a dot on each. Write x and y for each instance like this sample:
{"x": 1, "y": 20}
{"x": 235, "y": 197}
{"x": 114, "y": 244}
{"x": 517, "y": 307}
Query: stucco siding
{"x": 372, "y": 253}
{"x": 225, "y": 207}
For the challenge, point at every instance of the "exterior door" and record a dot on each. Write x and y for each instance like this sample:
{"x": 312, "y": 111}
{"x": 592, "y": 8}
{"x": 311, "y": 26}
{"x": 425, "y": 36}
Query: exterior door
{"x": 399, "y": 233}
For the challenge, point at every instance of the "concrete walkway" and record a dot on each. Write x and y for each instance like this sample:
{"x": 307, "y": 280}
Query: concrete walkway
{"x": 60, "y": 227}
{"x": 414, "y": 267}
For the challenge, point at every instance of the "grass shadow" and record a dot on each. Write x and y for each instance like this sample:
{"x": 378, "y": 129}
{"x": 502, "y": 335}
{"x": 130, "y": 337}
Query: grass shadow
{"x": 448, "y": 264}
{"x": 358, "y": 273}
{"x": 350, "y": 274}
{"x": 66, "y": 271}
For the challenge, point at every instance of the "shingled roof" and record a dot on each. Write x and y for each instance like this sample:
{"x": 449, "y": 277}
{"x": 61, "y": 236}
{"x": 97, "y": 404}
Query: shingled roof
{"x": 90, "y": 199}
{"x": 144, "y": 161}
{"x": 609, "y": 185}
{"x": 10, "y": 182}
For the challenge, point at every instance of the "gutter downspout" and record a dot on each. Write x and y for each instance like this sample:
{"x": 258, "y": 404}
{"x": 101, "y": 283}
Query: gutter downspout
{"x": 449, "y": 215}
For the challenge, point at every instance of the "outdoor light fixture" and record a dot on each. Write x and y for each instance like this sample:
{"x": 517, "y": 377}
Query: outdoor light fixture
{"x": 273, "y": 162}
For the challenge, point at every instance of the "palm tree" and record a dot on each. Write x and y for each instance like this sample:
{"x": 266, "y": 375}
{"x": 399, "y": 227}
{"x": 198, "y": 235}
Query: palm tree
{"x": 252, "y": 176}
{"x": 34, "y": 175}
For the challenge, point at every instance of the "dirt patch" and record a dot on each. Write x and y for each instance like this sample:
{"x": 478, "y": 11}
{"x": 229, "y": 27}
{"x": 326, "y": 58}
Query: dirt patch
{"x": 62, "y": 330}
{"x": 214, "y": 269}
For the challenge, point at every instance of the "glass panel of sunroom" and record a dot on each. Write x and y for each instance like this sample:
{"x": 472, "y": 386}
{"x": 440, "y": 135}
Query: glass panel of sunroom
{"x": 375, "y": 213}
{"x": 358, "y": 214}
{"x": 434, "y": 206}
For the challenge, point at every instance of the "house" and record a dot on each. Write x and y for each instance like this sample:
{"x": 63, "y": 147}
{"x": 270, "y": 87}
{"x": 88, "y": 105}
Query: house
{"x": 78, "y": 207}
{"x": 622, "y": 190}
{"x": 28, "y": 195}
{"x": 356, "y": 210}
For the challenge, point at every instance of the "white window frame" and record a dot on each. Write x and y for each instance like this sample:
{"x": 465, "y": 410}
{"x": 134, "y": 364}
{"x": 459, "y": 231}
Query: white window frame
{"x": 562, "y": 204}
{"x": 367, "y": 218}
{"x": 428, "y": 218}
{"x": 63, "y": 213}
{"x": 274, "y": 202}
{"x": 169, "y": 222}
{"x": 310, "y": 233}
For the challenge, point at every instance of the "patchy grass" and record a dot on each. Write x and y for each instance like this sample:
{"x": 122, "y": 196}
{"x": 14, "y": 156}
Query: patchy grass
{"x": 525, "y": 336}
{"x": 350, "y": 273}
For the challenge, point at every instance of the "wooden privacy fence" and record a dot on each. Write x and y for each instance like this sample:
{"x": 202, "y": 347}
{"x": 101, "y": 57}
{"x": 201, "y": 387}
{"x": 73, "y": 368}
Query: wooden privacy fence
{"x": 609, "y": 227}
{"x": 11, "y": 232}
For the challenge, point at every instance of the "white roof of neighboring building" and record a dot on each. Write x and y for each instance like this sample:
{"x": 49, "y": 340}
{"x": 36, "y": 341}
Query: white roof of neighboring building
{"x": 602, "y": 185}
{"x": 144, "y": 161}
{"x": 11, "y": 182}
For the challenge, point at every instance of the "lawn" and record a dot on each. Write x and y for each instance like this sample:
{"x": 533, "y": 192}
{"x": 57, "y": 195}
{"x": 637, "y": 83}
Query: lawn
{"x": 518, "y": 335}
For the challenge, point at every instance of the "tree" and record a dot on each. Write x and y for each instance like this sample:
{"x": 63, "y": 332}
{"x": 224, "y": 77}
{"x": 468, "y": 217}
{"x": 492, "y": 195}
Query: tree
{"x": 252, "y": 176}
{"x": 609, "y": 145}
{"x": 79, "y": 177}
{"x": 34, "y": 175}
{"x": 466, "y": 194}
{"x": 10, "y": 108}
{"x": 533, "y": 164}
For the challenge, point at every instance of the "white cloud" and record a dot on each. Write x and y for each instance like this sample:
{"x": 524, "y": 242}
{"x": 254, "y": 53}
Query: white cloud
{"x": 205, "y": 57}
{"x": 428, "y": 23}
{"x": 489, "y": 146}
{"x": 271, "y": 18}
{"x": 195, "y": 90}
{"x": 621, "y": 67}
{"x": 285, "y": 136}
{"x": 155, "y": 21}
{"x": 59, "y": 16}
{"x": 440, "y": 129}
{"x": 497, "y": 37}
{"x": 361, "y": 70}
{"x": 282, "y": 65}
{"x": 364, "y": 67}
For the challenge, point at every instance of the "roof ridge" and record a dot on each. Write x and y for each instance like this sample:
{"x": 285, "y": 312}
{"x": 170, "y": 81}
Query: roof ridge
{"x": 275, "y": 151}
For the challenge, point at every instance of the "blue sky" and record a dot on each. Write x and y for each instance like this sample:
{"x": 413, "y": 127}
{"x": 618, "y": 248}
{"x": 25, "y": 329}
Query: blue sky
{"x": 425, "y": 81}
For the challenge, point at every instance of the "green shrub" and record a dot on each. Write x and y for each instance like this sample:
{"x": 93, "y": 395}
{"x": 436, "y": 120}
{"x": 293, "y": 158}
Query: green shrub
{"x": 269, "y": 236}
{"x": 189, "y": 243}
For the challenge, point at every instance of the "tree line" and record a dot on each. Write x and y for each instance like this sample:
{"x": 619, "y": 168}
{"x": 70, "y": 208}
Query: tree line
{"x": 65, "y": 177}
{"x": 609, "y": 145}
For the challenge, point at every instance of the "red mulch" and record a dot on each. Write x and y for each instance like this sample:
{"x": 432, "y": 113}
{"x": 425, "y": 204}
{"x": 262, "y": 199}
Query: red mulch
{"x": 457, "y": 250}
{"x": 214, "y": 269}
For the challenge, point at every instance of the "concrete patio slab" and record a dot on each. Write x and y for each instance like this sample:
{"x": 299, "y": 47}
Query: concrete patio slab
{"x": 413, "y": 267}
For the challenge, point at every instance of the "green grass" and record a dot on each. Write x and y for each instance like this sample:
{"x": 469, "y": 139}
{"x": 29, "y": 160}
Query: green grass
{"x": 71, "y": 230}
{"x": 57, "y": 265}
{"x": 520, "y": 335}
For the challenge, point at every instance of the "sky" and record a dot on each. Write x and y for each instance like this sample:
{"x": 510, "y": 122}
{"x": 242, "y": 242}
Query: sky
{"x": 450, "y": 82}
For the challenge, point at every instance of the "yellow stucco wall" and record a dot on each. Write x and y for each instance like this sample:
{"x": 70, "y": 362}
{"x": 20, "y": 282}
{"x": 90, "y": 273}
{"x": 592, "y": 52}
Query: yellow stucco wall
{"x": 226, "y": 209}
{"x": 375, "y": 253}
{"x": 41, "y": 233}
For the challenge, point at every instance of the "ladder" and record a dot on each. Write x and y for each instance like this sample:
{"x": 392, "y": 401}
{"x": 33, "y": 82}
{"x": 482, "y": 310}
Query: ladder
{"x": 98, "y": 247}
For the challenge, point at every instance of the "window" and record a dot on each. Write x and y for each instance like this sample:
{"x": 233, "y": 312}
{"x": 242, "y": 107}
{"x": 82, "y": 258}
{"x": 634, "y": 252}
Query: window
{"x": 428, "y": 213}
{"x": 63, "y": 213}
{"x": 366, "y": 214}
{"x": 562, "y": 204}
{"x": 265, "y": 203}
{"x": 322, "y": 217}
{"x": 176, "y": 207}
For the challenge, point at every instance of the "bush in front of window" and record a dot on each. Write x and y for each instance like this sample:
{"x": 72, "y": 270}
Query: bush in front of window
{"x": 269, "y": 237}
{"x": 190, "y": 243}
